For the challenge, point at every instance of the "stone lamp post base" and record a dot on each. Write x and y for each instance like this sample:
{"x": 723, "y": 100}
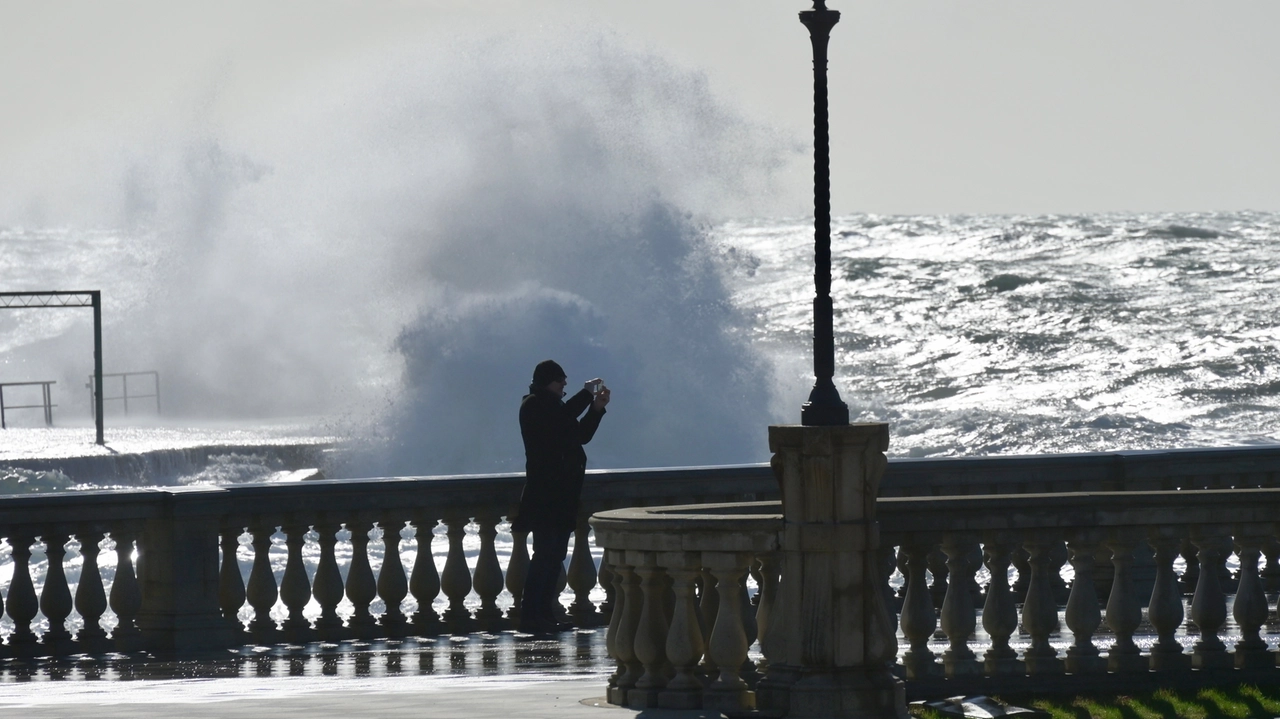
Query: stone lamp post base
{"x": 830, "y": 640}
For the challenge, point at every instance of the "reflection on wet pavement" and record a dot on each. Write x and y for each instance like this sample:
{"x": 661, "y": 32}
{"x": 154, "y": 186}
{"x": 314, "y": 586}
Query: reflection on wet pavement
{"x": 505, "y": 653}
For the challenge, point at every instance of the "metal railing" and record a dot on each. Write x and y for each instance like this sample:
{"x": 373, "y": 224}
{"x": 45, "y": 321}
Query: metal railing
{"x": 124, "y": 395}
{"x": 46, "y": 401}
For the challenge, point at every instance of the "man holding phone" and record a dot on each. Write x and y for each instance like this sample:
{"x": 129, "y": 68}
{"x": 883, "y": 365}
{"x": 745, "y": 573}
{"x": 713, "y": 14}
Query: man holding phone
{"x": 555, "y": 465}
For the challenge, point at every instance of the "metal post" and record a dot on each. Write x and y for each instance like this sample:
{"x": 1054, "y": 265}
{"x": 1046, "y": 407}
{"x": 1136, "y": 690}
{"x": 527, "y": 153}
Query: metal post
{"x": 124, "y": 384}
{"x": 157, "y": 376}
{"x": 824, "y": 407}
{"x": 2, "y": 424}
{"x": 48, "y": 405}
{"x": 97, "y": 362}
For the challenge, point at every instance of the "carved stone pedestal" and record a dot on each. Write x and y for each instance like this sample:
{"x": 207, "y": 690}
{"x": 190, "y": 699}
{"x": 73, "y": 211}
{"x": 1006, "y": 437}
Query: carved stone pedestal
{"x": 830, "y": 640}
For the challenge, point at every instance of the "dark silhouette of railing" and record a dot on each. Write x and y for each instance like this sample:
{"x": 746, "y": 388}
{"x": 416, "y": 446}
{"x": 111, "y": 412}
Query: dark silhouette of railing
{"x": 124, "y": 395}
{"x": 46, "y": 401}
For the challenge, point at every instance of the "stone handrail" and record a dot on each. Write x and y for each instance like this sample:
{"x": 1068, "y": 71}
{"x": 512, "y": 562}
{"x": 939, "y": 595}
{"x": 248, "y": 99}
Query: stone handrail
{"x": 182, "y": 596}
{"x": 952, "y": 538}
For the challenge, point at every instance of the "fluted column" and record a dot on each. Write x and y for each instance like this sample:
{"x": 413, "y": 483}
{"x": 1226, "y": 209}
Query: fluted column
{"x": 262, "y": 591}
{"x": 958, "y": 618}
{"x": 456, "y": 579}
{"x": 393, "y": 586}
{"x": 1124, "y": 610}
{"x": 91, "y": 598}
{"x": 488, "y": 574}
{"x": 1209, "y": 605}
{"x": 918, "y": 618}
{"x": 728, "y": 645}
{"x": 55, "y": 599}
{"x": 295, "y": 588}
{"x": 581, "y": 577}
{"x": 1251, "y": 610}
{"x": 651, "y": 633}
{"x": 327, "y": 583}
{"x": 1165, "y": 610}
{"x": 362, "y": 588}
{"x": 999, "y": 613}
{"x": 1040, "y": 611}
{"x": 1083, "y": 614}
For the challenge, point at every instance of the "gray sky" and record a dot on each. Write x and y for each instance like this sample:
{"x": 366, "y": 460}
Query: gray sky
{"x": 937, "y": 106}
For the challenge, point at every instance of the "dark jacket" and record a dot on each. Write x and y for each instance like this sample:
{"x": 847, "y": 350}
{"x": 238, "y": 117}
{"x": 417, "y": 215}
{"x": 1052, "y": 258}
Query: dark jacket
{"x": 554, "y": 461}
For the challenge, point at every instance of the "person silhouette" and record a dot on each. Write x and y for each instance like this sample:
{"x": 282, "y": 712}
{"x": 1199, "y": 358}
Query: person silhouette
{"x": 555, "y": 465}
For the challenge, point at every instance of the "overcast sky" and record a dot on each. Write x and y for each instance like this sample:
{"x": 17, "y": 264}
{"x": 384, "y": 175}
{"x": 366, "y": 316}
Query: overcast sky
{"x": 938, "y": 106}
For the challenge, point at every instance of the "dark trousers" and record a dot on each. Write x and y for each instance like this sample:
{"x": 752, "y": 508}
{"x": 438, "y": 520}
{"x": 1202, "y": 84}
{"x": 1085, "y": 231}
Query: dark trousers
{"x": 549, "y": 549}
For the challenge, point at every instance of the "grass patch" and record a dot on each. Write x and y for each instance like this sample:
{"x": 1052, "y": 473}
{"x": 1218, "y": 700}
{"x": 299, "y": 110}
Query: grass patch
{"x": 1242, "y": 702}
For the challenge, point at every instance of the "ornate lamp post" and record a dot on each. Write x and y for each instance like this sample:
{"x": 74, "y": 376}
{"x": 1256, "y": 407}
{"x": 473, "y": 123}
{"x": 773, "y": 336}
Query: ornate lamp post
{"x": 824, "y": 408}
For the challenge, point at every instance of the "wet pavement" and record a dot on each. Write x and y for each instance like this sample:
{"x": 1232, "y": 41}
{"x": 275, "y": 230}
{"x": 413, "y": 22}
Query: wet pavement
{"x": 482, "y": 675}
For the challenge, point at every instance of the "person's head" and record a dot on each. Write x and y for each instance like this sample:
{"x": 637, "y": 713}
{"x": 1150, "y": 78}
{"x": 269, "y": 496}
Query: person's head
{"x": 549, "y": 376}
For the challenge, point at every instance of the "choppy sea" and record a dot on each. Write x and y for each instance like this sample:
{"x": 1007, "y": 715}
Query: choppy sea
{"x": 1035, "y": 334}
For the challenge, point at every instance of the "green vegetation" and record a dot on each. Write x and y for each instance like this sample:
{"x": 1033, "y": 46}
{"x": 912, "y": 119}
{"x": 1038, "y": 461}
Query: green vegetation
{"x": 1241, "y": 702}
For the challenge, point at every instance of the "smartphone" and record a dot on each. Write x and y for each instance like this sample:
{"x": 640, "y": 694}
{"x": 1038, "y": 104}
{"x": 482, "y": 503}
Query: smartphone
{"x": 596, "y": 387}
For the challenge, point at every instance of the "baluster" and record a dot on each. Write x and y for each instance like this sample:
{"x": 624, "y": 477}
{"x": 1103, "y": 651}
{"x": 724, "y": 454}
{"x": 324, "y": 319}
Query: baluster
{"x": 708, "y": 606}
{"x": 456, "y": 579}
{"x": 424, "y": 582}
{"x": 684, "y": 646}
{"x": 55, "y": 598}
{"x": 231, "y": 591}
{"x": 327, "y": 584}
{"x": 295, "y": 588}
{"x": 91, "y": 598}
{"x": 1040, "y": 611}
{"x": 362, "y": 588}
{"x": 958, "y": 619}
{"x": 488, "y": 577}
{"x": 126, "y": 596}
{"x": 582, "y": 577}
{"x": 937, "y": 561}
{"x": 1083, "y": 614}
{"x": 393, "y": 586}
{"x": 1209, "y": 605}
{"x": 605, "y": 578}
{"x": 517, "y": 572}
{"x": 1124, "y": 611}
{"x": 728, "y": 645}
{"x": 631, "y": 602}
{"x": 23, "y": 604}
{"x": 651, "y": 634}
{"x": 262, "y": 591}
{"x": 1021, "y": 563}
{"x": 1165, "y": 609}
{"x": 1271, "y": 573}
{"x": 611, "y": 633}
{"x": 748, "y": 671}
{"x": 918, "y": 618}
{"x": 1191, "y": 574}
{"x": 999, "y": 615}
{"x": 1251, "y": 610}
{"x": 770, "y": 564}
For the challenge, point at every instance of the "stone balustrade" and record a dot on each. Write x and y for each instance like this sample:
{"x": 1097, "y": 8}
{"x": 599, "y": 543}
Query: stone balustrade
{"x": 312, "y": 550}
{"x": 671, "y": 562}
{"x": 146, "y": 568}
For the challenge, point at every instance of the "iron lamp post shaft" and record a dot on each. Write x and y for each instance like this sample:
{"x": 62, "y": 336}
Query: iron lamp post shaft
{"x": 824, "y": 407}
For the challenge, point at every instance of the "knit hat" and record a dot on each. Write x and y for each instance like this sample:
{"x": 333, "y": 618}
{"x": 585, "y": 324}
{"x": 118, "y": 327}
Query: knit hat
{"x": 547, "y": 372}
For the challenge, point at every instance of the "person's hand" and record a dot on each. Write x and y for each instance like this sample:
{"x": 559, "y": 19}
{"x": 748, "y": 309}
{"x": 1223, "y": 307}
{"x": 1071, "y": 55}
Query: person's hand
{"x": 602, "y": 398}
